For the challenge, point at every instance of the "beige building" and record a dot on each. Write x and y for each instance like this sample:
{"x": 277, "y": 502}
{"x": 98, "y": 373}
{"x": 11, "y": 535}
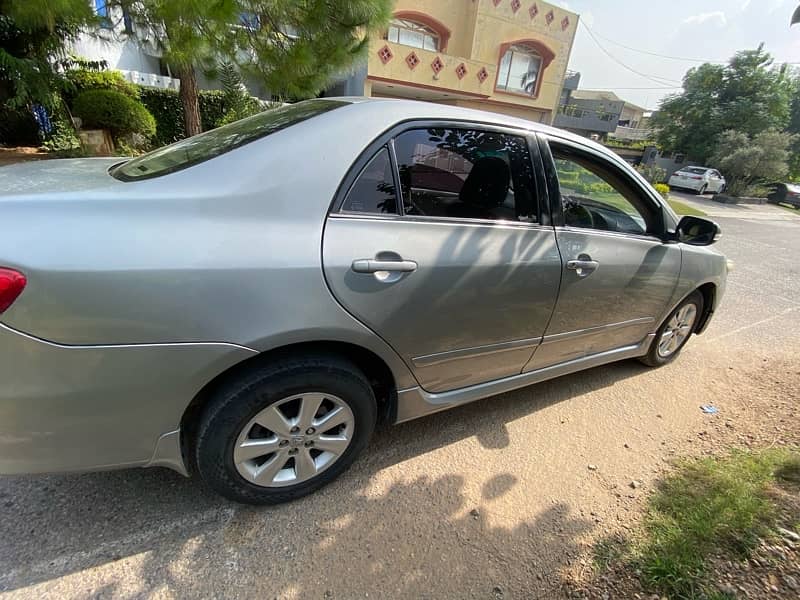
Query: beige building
{"x": 507, "y": 56}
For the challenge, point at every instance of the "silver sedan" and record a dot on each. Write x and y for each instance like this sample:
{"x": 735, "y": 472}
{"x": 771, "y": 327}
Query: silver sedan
{"x": 248, "y": 303}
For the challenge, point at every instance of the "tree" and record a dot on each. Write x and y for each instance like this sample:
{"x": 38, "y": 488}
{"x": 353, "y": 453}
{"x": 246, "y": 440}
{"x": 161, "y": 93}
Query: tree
{"x": 237, "y": 101}
{"x": 749, "y": 94}
{"x": 749, "y": 161}
{"x": 293, "y": 47}
{"x": 32, "y": 36}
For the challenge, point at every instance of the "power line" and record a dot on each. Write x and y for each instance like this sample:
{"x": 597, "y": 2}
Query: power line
{"x": 669, "y": 57}
{"x": 698, "y": 60}
{"x": 653, "y": 78}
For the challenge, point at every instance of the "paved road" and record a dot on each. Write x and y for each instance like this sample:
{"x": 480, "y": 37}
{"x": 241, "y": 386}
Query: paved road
{"x": 491, "y": 500}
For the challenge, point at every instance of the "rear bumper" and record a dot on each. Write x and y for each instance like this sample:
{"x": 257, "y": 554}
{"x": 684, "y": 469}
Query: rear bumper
{"x": 686, "y": 185}
{"x": 77, "y": 408}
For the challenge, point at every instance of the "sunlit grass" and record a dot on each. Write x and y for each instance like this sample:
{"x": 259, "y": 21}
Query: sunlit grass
{"x": 684, "y": 209}
{"x": 709, "y": 506}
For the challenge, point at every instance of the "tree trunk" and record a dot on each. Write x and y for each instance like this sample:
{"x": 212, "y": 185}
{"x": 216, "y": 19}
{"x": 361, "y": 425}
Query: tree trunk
{"x": 189, "y": 100}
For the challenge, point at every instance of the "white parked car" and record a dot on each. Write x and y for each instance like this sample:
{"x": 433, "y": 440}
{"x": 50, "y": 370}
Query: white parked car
{"x": 698, "y": 179}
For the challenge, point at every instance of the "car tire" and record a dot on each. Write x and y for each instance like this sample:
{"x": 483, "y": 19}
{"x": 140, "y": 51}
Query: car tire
{"x": 702, "y": 190}
{"x": 228, "y": 422}
{"x": 659, "y": 354}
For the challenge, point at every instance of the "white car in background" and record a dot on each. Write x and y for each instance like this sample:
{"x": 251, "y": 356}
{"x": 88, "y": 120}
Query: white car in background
{"x": 698, "y": 179}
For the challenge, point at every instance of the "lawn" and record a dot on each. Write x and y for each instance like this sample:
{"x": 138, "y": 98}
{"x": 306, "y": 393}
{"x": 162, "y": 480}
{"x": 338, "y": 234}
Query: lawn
{"x": 707, "y": 508}
{"x": 684, "y": 209}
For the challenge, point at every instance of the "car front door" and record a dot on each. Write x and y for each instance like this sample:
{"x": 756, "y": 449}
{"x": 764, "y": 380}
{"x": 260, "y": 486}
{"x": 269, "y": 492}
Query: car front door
{"x": 440, "y": 242}
{"x": 618, "y": 275}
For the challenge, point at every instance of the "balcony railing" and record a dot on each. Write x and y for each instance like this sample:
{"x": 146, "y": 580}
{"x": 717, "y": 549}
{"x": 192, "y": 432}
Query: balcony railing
{"x": 629, "y": 133}
{"x": 152, "y": 80}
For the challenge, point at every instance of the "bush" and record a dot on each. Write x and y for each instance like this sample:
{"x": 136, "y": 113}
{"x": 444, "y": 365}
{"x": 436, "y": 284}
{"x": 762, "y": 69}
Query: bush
{"x": 750, "y": 162}
{"x": 212, "y": 108}
{"x": 652, "y": 173}
{"x": 62, "y": 141}
{"x": 81, "y": 80}
{"x": 166, "y": 107}
{"x": 663, "y": 189}
{"x": 109, "y": 109}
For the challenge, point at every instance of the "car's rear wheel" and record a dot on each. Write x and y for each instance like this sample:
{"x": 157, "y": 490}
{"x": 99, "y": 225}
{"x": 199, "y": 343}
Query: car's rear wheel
{"x": 702, "y": 190}
{"x": 675, "y": 331}
{"x": 285, "y": 429}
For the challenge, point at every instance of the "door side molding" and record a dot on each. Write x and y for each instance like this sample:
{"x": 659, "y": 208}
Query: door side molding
{"x": 416, "y": 402}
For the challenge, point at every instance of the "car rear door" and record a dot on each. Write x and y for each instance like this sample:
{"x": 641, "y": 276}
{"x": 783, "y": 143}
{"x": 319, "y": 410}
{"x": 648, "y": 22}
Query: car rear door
{"x": 439, "y": 240}
{"x": 618, "y": 275}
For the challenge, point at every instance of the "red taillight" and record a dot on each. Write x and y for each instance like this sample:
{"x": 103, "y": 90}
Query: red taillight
{"x": 11, "y": 285}
{"x": 695, "y": 177}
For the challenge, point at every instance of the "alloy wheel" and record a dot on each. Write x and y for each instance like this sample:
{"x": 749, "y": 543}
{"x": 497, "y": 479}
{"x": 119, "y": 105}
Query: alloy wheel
{"x": 294, "y": 439}
{"x": 677, "y": 330}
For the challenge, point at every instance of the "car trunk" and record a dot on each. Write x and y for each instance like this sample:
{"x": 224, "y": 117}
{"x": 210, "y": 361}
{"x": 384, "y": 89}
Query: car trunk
{"x": 43, "y": 177}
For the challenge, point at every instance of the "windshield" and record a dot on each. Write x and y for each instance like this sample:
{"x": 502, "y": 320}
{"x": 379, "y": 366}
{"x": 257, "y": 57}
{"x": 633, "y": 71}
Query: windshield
{"x": 695, "y": 170}
{"x": 795, "y": 189}
{"x": 210, "y": 144}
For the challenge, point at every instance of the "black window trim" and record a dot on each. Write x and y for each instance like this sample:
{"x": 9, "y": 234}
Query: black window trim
{"x": 387, "y": 139}
{"x": 398, "y": 204}
{"x": 648, "y": 199}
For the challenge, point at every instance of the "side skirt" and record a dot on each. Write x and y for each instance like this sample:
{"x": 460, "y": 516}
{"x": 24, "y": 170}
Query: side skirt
{"x": 415, "y": 402}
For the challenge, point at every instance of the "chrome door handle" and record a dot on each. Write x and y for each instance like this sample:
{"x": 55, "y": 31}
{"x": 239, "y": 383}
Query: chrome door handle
{"x": 372, "y": 265}
{"x": 583, "y": 266}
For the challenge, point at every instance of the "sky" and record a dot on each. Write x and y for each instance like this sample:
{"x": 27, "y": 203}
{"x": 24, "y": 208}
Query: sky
{"x": 708, "y": 30}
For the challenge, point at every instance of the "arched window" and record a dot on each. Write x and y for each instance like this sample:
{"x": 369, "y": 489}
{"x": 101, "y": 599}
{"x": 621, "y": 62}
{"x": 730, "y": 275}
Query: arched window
{"x": 522, "y": 64}
{"x": 519, "y": 70}
{"x": 411, "y": 33}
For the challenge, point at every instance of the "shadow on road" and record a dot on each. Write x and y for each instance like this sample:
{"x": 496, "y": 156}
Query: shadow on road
{"x": 355, "y": 536}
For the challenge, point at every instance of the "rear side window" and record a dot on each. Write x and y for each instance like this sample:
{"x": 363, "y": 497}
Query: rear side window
{"x": 694, "y": 170}
{"x": 466, "y": 174}
{"x": 373, "y": 190}
{"x": 205, "y": 146}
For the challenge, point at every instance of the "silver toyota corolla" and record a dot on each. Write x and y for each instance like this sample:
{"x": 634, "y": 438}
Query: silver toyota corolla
{"x": 246, "y": 304}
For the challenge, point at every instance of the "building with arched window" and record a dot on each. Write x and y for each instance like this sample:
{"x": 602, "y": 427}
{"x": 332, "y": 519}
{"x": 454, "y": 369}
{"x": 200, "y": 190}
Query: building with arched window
{"x": 507, "y": 56}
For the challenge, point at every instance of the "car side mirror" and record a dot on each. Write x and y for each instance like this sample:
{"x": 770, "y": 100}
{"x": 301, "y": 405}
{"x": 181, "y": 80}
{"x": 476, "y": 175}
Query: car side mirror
{"x": 697, "y": 232}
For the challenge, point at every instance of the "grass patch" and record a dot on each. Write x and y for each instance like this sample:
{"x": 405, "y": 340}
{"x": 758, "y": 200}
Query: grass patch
{"x": 710, "y": 506}
{"x": 684, "y": 209}
{"x": 789, "y": 207}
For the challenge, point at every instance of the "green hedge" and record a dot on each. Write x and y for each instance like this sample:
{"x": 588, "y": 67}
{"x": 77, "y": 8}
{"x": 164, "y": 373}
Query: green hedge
{"x": 165, "y": 106}
{"x": 109, "y": 109}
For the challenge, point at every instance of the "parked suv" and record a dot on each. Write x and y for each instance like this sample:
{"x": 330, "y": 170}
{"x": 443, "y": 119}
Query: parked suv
{"x": 785, "y": 193}
{"x": 698, "y": 179}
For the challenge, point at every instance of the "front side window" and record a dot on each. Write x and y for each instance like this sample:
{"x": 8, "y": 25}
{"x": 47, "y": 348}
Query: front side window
{"x": 593, "y": 198}
{"x": 519, "y": 70}
{"x": 373, "y": 190}
{"x": 466, "y": 174}
{"x": 208, "y": 145}
{"x": 410, "y": 33}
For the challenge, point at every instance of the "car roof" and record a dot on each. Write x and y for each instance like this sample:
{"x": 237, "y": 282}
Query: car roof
{"x": 398, "y": 109}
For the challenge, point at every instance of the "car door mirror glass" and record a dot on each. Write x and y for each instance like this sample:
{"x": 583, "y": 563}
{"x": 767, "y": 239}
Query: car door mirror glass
{"x": 697, "y": 232}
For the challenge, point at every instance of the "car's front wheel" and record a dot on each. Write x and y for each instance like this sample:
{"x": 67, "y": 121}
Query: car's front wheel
{"x": 675, "y": 331}
{"x": 285, "y": 429}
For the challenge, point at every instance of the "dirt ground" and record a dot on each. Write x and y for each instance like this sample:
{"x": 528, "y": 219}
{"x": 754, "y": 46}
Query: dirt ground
{"x": 23, "y": 153}
{"x": 499, "y": 499}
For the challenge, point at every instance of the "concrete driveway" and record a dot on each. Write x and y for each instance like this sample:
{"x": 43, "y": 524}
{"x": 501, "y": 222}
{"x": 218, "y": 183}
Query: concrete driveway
{"x": 499, "y": 499}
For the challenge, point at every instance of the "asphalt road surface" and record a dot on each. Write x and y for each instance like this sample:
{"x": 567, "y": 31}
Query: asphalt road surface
{"x": 493, "y": 500}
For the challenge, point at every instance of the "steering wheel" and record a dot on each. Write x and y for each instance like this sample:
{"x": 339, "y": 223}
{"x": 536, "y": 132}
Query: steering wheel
{"x": 577, "y": 215}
